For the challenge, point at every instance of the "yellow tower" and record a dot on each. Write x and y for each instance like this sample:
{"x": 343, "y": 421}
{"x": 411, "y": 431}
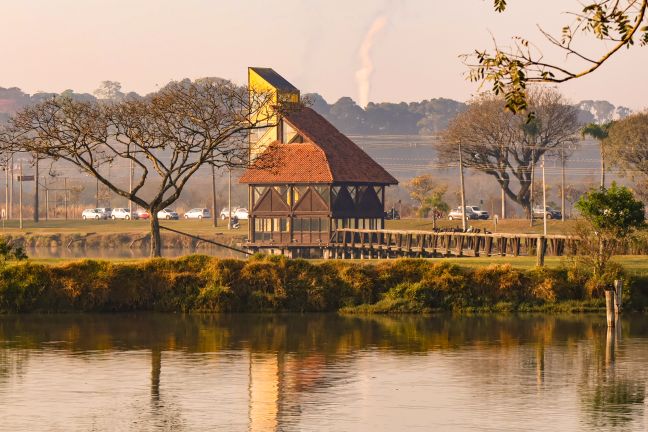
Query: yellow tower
{"x": 268, "y": 82}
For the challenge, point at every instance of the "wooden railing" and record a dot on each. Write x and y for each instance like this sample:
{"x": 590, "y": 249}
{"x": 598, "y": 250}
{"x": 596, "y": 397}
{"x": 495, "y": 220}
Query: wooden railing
{"x": 359, "y": 243}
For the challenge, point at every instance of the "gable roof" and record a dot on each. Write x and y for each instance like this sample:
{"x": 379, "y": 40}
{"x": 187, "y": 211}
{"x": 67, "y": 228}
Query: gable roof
{"x": 325, "y": 156}
{"x": 274, "y": 79}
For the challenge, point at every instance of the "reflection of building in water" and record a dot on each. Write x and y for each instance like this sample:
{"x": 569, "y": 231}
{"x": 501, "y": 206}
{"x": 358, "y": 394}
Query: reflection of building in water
{"x": 264, "y": 392}
{"x": 277, "y": 383}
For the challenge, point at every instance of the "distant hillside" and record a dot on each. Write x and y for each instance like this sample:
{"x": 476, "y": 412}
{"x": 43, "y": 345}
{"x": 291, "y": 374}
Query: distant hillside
{"x": 427, "y": 117}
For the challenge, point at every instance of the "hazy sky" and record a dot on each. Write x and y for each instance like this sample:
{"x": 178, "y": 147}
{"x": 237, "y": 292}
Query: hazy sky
{"x": 319, "y": 46}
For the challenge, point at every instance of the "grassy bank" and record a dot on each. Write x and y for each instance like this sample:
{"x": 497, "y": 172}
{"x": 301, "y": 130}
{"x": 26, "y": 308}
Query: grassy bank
{"x": 272, "y": 284}
{"x": 109, "y": 234}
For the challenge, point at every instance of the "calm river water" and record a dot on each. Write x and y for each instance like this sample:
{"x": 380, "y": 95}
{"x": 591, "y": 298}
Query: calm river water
{"x": 152, "y": 372}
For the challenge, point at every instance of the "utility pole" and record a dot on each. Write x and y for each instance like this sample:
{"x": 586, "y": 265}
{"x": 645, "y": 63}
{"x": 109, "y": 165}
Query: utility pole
{"x": 562, "y": 175}
{"x": 130, "y": 188}
{"x": 36, "y": 206}
{"x": 463, "y": 190}
{"x": 97, "y": 197}
{"x": 229, "y": 199}
{"x": 602, "y": 165}
{"x": 6, "y": 190}
{"x": 11, "y": 189}
{"x": 532, "y": 181}
{"x": 65, "y": 197}
{"x": 503, "y": 203}
{"x": 544, "y": 198}
{"x": 46, "y": 198}
{"x": 214, "y": 196}
{"x": 20, "y": 202}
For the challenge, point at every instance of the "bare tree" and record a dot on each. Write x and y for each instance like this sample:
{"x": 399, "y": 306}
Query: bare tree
{"x": 628, "y": 143}
{"x": 508, "y": 146}
{"x": 168, "y": 137}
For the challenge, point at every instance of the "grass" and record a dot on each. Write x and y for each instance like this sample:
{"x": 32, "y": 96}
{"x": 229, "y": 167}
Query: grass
{"x": 519, "y": 226}
{"x": 119, "y": 226}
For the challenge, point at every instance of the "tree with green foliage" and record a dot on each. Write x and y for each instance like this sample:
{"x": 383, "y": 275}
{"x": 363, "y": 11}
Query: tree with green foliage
{"x": 616, "y": 24}
{"x": 428, "y": 194}
{"x": 437, "y": 204}
{"x": 613, "y": 215}
{"x": 600, "y": 133}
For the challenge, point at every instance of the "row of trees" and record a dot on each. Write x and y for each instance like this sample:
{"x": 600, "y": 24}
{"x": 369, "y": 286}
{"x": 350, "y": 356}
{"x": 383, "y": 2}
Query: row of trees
{"x": 509, "y": 146}
{"x": 165, "y": 137}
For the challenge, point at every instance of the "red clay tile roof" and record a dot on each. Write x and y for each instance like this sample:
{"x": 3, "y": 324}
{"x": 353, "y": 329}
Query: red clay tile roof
{"x": 326, "y": 156}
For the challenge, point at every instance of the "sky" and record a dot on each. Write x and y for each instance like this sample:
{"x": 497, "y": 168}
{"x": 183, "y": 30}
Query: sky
{"x": 370, "y": 50}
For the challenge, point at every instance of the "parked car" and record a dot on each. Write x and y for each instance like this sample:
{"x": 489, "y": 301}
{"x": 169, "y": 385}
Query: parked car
{"x": 142, "y": 214}
{"x": 197, "y": 213}
{"x": 107, "y": 211}
{"x": 224, "y": 214}
{"x": 392, "y": 214}
{"x": 551, "y": 213}
{"x": 481, "y": 214}
{"x": 167, "y": 213}
{"x": 241, "y": 213}
{"x": 123, "y": 213}
{"x": 455, "y": 214}
{"x": 92, "y": 214}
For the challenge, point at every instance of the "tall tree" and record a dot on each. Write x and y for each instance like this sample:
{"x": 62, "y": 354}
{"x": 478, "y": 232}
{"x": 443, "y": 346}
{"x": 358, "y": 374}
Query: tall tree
{"x": 600, "y": 133}
{"x": 628, "y": 144}
{"x": 617, "y": 24}
{"x": 168, "y": 137}
{"x": 421, "y": 189}
{"x": 507, "y": 146}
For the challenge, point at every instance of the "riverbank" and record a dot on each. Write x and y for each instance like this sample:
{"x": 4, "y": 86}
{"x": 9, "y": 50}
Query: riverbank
{"x": 119, "y": 234}
{"x": 275, "y": 284}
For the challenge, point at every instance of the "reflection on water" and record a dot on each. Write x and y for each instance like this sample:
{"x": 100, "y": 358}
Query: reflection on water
{"x": 321, "y": 372}
{"x": 125, "y": 253}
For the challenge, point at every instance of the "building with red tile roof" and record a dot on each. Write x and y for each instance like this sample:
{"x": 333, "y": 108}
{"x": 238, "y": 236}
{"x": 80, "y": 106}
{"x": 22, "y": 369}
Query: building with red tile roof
{"x": 309, "y": 180}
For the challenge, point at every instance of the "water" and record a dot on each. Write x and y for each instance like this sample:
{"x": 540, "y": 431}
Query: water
{"x": 321, "y": 372}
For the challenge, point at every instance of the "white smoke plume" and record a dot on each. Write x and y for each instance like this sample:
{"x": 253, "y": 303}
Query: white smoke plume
{"x": 363, "y": 75}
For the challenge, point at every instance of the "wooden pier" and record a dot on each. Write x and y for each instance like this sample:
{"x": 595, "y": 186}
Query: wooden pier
{"x": 367, "y": 244}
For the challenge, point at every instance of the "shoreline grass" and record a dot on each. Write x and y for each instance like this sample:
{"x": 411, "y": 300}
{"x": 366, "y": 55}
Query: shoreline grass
{"x": 199, "y": 283}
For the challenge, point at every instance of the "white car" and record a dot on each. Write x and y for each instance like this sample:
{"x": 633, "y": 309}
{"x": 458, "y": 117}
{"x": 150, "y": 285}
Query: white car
{"x": 122, "y": 213}
{"x": 224, "y": 214}
{"x": 107, "y": 211}
{"x": 197, "y": 213}
{"x": 456, "y": 214}
{"x": 92, "y": 214}
{"x": 167, "y": 213}
{"x": 241, "y": 213}
{"x": 481, "y": 214}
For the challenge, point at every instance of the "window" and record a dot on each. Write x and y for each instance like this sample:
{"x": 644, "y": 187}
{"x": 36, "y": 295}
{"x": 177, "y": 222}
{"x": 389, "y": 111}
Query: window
{"x": 258, "y": 193}
{"x": 299, "y": 192}
{"x": 353, "y": 192}
{"x": 379, "y": 193}
{"x": 335, "y": 190}
{"x": 283, "y": 192}
{"x": 289, "y": 135}
{"x": 323, "y": 191}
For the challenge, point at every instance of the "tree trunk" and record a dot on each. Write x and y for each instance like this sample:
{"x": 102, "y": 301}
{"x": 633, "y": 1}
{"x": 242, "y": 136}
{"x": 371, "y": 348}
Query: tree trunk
{"x": 156, "y": 240}
{"x": 433, "y": 219}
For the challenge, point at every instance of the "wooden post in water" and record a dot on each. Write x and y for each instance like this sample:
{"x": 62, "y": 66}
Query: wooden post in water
{"x": 618, "y": 298}
{"x": 609, "y": 307}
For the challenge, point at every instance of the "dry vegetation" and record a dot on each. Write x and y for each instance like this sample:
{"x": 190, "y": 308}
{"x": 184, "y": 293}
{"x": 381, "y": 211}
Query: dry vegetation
{"x": 276, "y": 284}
